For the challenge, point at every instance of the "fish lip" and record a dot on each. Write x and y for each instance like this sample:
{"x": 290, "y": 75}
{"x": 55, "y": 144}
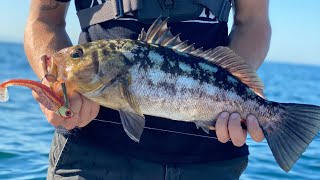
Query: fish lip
{"x": 58, "y": 64}
{"x": 47, "y": 68}
{"x": 53, "y": 68}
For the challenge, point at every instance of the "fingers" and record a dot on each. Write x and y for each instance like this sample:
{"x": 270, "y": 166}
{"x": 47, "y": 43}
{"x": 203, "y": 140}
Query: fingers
{"x": 84, "y": 109}
{"x": 89, "y": 111}
{"x": 222, "y": 127}
{"x": 229, "y": 127}
{"x": 76, "y": 104}
{"x": 56, "y": 119}
{"x": 52, "y": 117}
{"x": 254, "y": 129}
{"x": 237, "y": 134}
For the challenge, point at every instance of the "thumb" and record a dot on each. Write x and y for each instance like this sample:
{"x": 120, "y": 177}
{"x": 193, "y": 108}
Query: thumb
{"x": 36, "y": 96}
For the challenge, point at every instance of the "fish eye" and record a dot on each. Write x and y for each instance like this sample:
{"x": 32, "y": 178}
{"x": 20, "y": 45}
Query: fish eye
{"x": 77, "y": 53}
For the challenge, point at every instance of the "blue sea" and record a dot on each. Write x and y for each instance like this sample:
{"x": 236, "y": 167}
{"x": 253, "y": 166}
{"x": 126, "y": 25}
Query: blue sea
{"x": 25, "y": 135}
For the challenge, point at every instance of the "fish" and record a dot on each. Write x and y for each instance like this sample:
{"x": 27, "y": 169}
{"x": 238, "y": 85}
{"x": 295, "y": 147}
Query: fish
{"x": 47, "y": 96}
{"x": 160, "y": 75}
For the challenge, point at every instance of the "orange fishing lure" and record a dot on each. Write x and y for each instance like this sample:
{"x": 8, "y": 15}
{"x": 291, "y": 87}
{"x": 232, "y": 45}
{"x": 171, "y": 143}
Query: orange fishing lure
{"x": 46, "y": 96}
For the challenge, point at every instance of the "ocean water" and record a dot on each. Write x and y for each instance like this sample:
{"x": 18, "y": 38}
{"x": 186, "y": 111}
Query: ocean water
{"x": 25, "y": 135}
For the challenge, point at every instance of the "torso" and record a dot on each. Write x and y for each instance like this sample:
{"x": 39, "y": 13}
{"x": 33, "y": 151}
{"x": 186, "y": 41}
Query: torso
{"x": 160, "y": 146}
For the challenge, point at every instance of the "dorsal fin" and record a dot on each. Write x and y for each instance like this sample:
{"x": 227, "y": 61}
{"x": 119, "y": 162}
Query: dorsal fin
{"x": 229, "y": 60}
{"x": 160, "y": 34}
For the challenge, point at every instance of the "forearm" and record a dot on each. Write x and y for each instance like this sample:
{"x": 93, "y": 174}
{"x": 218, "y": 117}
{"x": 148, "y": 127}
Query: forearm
{"x": 251, "y": 31}
{"x": 45, "y": 32}
{"x": 251, "y": 41}
{"x": 41, "y": 40}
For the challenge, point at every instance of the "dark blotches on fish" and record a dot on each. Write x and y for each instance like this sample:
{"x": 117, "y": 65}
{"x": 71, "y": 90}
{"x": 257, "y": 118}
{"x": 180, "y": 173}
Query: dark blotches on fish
{"x": 105, "y": 52}
{"x": 95, "y": 61}
{"x": 86, "y": 45}
{"x": 168, "y": 87}
{"x": 112, "y": 46}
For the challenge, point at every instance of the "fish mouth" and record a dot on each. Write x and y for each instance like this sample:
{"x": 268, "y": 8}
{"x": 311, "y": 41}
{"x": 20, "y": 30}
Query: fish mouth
{"x": 59, "y": 67}
{"x": 48, "y": 68}
{"x": 53, "y": 66}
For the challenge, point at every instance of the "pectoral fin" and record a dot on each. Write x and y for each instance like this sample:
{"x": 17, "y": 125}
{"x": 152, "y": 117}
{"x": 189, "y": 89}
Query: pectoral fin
{"x": 133, "y": 124}
{"x": 133, "y": 120}
{"x": 127, "y": 95}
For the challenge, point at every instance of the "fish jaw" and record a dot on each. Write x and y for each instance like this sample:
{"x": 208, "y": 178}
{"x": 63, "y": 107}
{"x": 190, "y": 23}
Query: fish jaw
{"x": 53, "y": 67}
{"x": 58, "y": 65}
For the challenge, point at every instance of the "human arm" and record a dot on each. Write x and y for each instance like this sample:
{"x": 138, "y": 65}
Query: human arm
{"x": 251, "y": 31}
{"x": 250, "y": 38}
{"x": 45, "y": 34}
{"x": 45, "y": 31}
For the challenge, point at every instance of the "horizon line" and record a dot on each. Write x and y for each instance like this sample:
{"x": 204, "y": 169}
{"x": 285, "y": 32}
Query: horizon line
{"x": 267, "y": 60}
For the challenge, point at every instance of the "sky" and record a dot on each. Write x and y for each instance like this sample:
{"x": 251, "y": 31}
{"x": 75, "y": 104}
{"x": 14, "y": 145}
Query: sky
{"x": 295, "y": 28}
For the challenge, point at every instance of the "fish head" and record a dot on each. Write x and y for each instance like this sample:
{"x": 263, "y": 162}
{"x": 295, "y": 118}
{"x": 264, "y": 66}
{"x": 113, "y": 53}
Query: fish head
{"x": 89, "y": 65}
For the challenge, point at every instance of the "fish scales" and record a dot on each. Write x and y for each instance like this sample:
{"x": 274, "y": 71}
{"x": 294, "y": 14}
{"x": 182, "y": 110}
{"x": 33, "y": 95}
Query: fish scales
{"x": 178, "y": 86}
{"x": 185, "y": 92}
{"x": 160, "y": 75}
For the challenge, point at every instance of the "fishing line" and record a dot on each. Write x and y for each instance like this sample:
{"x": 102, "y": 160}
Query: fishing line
{"x": 163, "y": 130}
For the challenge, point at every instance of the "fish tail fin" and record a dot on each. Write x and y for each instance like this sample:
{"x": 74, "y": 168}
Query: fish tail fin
{"x": 290, "y": 135}
{"x": 4, "y": 96}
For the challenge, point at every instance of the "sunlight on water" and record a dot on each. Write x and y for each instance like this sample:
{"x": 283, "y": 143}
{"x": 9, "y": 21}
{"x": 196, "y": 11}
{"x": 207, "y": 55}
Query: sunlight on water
{"x": 25, "y": 135}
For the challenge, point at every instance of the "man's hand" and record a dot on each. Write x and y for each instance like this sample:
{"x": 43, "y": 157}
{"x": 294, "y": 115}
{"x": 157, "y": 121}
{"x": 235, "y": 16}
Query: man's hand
{"x": 228, "y": 126}
{"x": 84, "y": 110}
{"x": 249, "y": 38}
{"x": 45, "y": 34}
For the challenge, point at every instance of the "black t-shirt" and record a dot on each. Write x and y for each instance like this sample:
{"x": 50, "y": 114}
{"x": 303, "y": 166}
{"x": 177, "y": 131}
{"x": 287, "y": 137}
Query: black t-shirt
{"x": 157, "y": 145}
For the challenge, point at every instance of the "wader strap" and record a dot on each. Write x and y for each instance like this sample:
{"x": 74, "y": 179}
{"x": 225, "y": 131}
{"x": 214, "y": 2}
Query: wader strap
{"x": 111, "y": 9}
{"x": 219, "y": 8}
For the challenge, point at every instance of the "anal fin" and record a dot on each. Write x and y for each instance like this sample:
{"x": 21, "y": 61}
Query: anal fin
{"x": 204, "y": 125}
